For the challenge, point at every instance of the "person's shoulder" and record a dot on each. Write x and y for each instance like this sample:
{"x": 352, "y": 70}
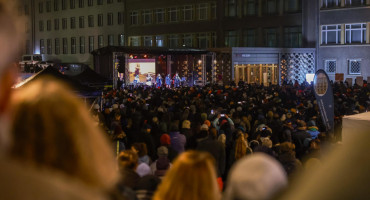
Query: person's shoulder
{"x": 20, "y": 182}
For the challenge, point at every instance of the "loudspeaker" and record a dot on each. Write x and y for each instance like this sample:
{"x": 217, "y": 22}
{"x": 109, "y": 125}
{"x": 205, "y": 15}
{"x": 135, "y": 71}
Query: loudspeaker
{"x": 121, "y": 64}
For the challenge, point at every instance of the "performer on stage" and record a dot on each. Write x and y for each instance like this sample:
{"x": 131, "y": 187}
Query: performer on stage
{"x": 183, "y": 81}
{"x": 168, "y": 81}
{"x": 136, "y": 80}
{"x": 149, "y": 80}
{"x": 176, "y": 80}
{"x": 159, "y": 80}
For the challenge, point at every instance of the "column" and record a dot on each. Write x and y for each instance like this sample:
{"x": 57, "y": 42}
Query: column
{"x": 342, "y": 3}
{"x": 343, "y": 34}
{"x": 261, "y": 75}
{"x": 368, "y": 32}
{"x": 248, "y": 73}
{"x": 280, "y": 7}
{"x": 259, "y": 8}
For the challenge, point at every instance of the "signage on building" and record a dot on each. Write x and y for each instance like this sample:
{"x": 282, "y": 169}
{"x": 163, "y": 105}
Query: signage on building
{"x": 325, "y": 100}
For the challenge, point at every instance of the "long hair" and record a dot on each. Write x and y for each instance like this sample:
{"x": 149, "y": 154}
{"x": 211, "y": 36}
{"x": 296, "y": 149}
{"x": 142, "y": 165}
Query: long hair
{"x": 53, "y": 129}
{"x": 192, "y": 176}
{"x": 240, "y": 147}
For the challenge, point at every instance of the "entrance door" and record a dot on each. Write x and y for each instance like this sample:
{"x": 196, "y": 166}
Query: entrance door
{"x": 265, "y": 74}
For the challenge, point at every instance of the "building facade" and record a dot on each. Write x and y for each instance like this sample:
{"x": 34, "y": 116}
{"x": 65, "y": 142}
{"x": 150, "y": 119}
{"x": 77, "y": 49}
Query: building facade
{"x": 68, "y": 30}
{"x": 344, "y": 38}
{"x": 338, "y": 30}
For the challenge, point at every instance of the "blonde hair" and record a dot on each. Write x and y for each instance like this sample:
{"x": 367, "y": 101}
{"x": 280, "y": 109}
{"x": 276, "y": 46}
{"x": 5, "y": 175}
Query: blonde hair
{"x": 192, "y": 176}
{"x": 53, "y": 129}
{"x": 240, "y": 147}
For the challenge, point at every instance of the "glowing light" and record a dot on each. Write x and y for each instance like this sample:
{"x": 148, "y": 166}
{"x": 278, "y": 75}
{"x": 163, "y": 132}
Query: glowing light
{"x": 310, "y": 77}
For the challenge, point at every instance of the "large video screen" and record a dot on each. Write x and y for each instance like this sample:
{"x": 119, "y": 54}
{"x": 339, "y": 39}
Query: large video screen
{"x": 139, "y": 70}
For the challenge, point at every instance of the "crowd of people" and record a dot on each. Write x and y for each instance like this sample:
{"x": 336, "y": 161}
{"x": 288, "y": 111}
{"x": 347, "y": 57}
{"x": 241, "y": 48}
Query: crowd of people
{"x": 200, "y": 143}
{"x": 230, "y": 123}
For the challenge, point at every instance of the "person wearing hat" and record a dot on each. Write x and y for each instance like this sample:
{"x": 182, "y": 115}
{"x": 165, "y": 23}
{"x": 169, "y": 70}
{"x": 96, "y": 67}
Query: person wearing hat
{"x": 178, "y": 140}
{"x": 166, "y": 141}
{"x": 214, "y": 147}
{"x": 162, "y": 164}
{"x": 312, "y": 129}
{"x": 186, "y": 130}
{"x": 299, "y": 137}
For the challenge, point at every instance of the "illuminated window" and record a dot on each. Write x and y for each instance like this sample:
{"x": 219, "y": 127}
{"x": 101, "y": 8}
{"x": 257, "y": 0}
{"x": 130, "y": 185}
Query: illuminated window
{"x": 159, "y": 40}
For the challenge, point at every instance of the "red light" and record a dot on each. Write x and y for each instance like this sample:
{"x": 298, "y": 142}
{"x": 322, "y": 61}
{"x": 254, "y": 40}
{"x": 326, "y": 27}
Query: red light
{"x": 145, "y": 56}
{"x": 135, "y": 57}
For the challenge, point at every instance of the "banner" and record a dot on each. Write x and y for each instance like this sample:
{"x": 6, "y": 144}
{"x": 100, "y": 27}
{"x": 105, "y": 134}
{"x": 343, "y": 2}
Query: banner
{"x": 325, "y": 99}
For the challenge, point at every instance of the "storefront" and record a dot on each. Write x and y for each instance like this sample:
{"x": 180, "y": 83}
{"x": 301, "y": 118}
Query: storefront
{"x": 272, "y": 65}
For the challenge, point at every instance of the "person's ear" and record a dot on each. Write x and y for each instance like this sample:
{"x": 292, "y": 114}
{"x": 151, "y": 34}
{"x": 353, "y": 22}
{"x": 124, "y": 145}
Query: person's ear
{"x": 6, "y": 82}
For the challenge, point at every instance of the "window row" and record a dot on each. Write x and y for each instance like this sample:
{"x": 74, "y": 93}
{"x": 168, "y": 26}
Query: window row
{"x": 193, "y": 40}
{"x": 339, "y": 3}
{"x": 72, "y": 4}
{"x": 353, "y": 33}
{"x": 292, "y": 37}
{"x": 354, "y": 66}
{"x": 269, "y": 7}
{"x": 69, "y": 46}
{"x": 81, "y": 22}
{"x": 203, "y": 11}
